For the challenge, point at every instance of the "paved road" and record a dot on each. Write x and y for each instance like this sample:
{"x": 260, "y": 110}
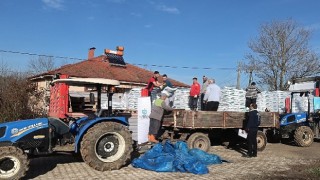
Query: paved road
{"x": 276, "y": 157}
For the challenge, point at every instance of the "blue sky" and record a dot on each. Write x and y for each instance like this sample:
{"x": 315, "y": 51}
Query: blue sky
{"x": 183, "y": 33}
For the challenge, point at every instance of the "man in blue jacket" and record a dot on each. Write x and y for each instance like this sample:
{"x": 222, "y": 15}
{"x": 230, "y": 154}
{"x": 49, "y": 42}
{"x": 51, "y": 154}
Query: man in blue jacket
{"x": 252, "y": 130}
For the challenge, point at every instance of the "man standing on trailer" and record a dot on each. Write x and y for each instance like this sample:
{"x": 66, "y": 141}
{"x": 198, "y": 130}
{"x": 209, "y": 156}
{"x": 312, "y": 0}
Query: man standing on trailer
{"x": 153, "y": 81}
{"x": 212, "y": 96}
{"x": 194, "y": 94}
{"x": 252, "y": 94}
{"x": 252, "y": 130}
{"x": 203, "y": 92}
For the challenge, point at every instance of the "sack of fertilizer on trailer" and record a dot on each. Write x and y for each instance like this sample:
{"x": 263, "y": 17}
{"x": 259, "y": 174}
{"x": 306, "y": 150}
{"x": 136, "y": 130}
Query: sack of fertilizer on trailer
{"x": 168, "y": 157}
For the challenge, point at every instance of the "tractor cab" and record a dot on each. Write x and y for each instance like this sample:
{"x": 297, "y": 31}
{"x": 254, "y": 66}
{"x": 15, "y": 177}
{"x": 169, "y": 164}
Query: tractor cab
{"x": 297, "y": 111}
{"x": 98, "y": 83}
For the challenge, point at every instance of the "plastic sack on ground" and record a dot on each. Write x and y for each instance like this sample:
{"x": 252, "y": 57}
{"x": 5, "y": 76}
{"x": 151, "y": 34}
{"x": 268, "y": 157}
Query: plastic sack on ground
{"x": 177, "y": 157}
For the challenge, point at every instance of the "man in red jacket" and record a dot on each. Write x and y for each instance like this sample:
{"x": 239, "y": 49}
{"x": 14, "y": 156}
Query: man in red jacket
{"x": 153, "y": 81}
{"x": 194, "y": 94}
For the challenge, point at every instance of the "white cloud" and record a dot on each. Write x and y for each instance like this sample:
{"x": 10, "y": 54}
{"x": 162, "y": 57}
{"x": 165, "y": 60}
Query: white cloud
{"x": 136, "y": 14}
{"x": 91, "y": 18}
{"x": 171, "y": 10}
{"x": 148, "y": 26}
{"x": 116, "y": 1}
{"x": 55, "y": 4}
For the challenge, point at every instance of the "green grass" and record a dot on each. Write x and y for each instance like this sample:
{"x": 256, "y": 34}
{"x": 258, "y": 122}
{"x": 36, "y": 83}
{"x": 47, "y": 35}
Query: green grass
{"x": 315, "y": 171}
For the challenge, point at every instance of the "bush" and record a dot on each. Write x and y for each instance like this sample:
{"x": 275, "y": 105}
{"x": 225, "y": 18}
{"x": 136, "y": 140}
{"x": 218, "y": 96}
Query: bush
{"x": 18, "y": 98}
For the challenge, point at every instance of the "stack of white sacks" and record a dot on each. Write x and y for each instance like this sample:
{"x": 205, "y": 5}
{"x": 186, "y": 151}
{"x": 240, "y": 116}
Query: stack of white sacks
{"x": 272, "y": 100}
{"x": 132, "y": 98}
{"x": 232, "y": 99}
{"x": 300, "y": 104}
{"x": 181, "y": 98}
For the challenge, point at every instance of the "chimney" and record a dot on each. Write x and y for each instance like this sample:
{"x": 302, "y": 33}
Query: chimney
{"x": 91, "y": 53}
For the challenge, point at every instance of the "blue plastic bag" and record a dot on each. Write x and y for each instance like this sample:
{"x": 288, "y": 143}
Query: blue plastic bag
{"x": 170, "y": 157}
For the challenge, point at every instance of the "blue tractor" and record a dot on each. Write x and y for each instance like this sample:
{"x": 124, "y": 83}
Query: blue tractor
{"x": 103, "y": 140}
{"x": 303, "y": 127}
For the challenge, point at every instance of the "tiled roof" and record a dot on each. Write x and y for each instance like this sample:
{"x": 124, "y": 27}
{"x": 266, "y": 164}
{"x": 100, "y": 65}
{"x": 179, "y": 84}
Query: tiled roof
{"x": 99, "y": 67}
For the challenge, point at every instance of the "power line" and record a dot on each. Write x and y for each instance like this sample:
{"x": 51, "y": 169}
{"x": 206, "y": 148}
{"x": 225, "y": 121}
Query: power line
{"x": 183, "y": 67}
{"x": 137, "y": 64}
{"x": 42, "y": 55}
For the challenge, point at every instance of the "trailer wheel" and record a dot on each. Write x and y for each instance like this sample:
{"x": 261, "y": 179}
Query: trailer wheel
{"x": 200, "y": 141}
{"x": 13, "y": 163}
{"x": 107, "y": 146}
{"x": 261, "y": 141}
{"x": 303, "y": 136}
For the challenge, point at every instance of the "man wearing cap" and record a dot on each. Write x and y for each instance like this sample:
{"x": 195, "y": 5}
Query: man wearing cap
{"x": 156, "y": 114}
{"x": 194, "y": 94}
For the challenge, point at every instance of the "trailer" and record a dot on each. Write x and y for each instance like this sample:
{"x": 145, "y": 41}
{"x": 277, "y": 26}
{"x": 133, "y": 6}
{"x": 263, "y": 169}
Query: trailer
{"x": 201, "y": 128}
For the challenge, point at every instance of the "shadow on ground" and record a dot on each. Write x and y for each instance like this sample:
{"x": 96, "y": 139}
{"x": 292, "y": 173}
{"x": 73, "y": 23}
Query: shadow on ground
{"x": 42, "y": 165}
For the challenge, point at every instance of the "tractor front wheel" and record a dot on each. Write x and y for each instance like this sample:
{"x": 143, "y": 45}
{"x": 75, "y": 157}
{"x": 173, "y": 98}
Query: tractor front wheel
{"x": 303, "y": 136}
{"x": 13, "y": 163}
{"x": 107, "y": 146}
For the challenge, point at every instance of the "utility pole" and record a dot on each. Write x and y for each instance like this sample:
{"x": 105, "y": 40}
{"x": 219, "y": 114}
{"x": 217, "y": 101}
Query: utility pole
{"x": 239, "y": 75}
{"x": 250, "y": 77}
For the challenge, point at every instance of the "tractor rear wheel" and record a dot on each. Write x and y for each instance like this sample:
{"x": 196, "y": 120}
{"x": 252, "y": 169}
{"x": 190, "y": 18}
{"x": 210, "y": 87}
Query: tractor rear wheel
{"x": 13, "y": 163}
{"x": 200, "y": 141}
{"x": 303, "y": 136}
{"x": 261, "y": 141}
{"x": 107, "y": 146}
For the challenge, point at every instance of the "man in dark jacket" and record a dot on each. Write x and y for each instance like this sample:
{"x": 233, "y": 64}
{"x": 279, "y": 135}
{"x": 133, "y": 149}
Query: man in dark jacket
{"x": 252, "y": 129}
{"x": 252, "y": 94}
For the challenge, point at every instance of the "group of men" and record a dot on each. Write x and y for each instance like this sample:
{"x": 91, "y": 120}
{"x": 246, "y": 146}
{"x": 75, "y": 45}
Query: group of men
{"x": 159, "y": 106}
{"x": 210, "y": 97}
{"x": 153, "y": 82}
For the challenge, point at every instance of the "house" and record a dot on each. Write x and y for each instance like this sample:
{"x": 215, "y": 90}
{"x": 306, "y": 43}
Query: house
{"x": 111, "y": 65}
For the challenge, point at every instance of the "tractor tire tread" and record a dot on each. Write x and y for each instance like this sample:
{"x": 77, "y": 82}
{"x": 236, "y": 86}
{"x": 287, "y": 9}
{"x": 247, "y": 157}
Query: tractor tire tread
{"x": 87, "y": 148}
{"x": 298, "y": 136}
{"x": 261, "y": 146}
{"x": 20, "y": 155}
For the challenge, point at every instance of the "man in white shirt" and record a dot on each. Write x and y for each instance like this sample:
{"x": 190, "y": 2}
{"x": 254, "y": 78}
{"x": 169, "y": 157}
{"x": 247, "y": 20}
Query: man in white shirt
{"x": 212, "y": 96}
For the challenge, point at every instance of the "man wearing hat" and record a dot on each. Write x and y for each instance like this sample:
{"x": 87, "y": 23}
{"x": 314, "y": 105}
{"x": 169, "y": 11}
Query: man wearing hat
{"x": 156, "y": 116}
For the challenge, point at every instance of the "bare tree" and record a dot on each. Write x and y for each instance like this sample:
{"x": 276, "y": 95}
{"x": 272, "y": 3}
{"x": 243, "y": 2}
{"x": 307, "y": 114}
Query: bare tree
{"x": 282, "y": 52}
{"x": 41, "y": 64}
